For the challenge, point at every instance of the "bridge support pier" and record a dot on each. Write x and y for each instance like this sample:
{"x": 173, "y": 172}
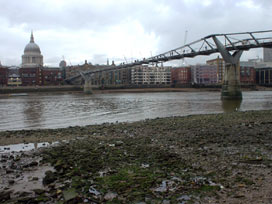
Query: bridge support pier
{"x": 88, "y": 87}
{"x": 231, "y": 89}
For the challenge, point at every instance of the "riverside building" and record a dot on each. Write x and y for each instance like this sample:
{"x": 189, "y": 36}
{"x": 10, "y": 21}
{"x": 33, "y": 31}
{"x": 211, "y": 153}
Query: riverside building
{"x": 204, "y": 74}
{"x": 3, "y": 75}
{"x": 145, "y": 75}
{"x": 32, "y": 71}
{"x": 32, "y": 63}
{"x": 220, "y": 65}
{"x": 181, "y": 76}
{"x": 267, "y": 54}
{"x": 264, "y": 75}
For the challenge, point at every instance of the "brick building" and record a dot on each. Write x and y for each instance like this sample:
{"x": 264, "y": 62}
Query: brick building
{"x": 99, "y": 78}
{"x": 51, "y": 76}
{"x": 204, "y": 74}
{"x": 181, "y": 76}
{"x": 3, "y": 76}
{"x": 32, "y": 63}
{"x": 71, "y": 71}
{"x": 31, "y": 76}
{"x": 247, "y": 75}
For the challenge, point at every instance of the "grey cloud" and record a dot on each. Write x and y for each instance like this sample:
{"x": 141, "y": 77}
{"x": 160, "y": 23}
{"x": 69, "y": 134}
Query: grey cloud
{"x": 220, "y": 16}
{"x": 199, "y": 20}
{"x": 71, "y": 15}
{"x": 99, "y": 59}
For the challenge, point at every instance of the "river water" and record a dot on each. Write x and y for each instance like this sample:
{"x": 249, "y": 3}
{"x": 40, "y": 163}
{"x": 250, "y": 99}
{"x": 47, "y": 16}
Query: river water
{"x": 58, "y": 110}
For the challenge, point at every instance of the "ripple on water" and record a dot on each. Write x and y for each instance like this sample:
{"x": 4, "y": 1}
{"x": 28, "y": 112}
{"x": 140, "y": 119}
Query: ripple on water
{"x": 39, "y": 111}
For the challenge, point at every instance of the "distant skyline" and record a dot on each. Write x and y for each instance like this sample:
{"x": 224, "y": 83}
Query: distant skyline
{"x": 122, "y": 30}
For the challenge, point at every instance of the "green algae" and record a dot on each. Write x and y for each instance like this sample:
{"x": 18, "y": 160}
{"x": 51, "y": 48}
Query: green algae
{"x": 162, "y": 159}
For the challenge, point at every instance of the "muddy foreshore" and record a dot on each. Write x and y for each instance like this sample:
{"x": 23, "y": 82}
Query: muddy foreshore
{"x": 218, "y": 158}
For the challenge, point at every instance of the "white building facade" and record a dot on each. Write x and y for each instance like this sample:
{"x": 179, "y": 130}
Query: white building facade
{"x": 141, "y": 75}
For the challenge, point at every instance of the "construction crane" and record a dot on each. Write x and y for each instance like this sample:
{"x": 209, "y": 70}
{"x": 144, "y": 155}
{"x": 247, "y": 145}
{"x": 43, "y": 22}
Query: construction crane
{"x": 125, "y": 59}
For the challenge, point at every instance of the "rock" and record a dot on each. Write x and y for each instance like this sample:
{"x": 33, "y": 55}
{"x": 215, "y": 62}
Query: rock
{"x": 119, "y": 143}
{"x": 110, "y": 196}
{"x": 238, "y": 196}
{"x": 11, "y": 182}
{"x": 35, "y": 179}
{"x": 9, "y": 171}
{"x": 24, "y": 194}
{"x": 33, "y": 163}
{"x": 49, "y": 178}
{"x": 25, "y": 199}
{"x": 39, "y": 191}
{"x": 69, "y": 194}
{"x": 5, "y": 195}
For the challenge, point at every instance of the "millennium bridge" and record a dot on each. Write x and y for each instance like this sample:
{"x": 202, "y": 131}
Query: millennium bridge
{"x": 230, "y": 46}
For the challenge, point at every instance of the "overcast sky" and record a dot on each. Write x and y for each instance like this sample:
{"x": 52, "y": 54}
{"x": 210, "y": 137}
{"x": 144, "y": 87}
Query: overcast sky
{"x": 120, "y": 30}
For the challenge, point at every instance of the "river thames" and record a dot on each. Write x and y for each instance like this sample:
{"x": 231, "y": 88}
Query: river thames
{"x": 60, "y": 110}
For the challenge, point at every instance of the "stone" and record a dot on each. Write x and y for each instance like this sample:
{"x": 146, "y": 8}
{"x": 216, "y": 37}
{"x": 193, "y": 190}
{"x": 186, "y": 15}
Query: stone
{"x": 49, "y": 178}
{"x": 11, "y": 182}
{"x": 39, "y": 191}
{"x": 9, "y": 171}
{"x": 69, "y": 194}
{"x": 5, "y": 195}
{"x": 110, "y": 196}
{"x": 35, "y": 179}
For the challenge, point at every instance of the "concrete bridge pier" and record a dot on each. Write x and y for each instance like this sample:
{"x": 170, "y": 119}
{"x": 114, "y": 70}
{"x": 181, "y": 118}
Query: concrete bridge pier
{"x": 231, "y": 83}
{"x": 88, "y": 87}
{"x": 231, "y": 89}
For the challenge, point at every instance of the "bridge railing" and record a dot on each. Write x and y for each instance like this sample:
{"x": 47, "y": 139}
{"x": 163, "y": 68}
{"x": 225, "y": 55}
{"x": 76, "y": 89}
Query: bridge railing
{"x": 206, "y": 45}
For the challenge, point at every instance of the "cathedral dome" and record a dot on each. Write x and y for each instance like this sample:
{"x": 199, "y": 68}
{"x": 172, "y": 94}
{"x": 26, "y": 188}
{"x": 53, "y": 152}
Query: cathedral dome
{"x": 32, "y": 55}
{"x": 32, "y": 47}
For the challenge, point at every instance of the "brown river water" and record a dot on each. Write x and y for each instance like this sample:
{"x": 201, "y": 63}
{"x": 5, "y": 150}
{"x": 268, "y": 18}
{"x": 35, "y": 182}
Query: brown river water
{"x": 59, "y": 110}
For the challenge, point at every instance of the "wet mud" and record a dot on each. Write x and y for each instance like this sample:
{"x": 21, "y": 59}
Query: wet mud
{"x": 217, "y": 158}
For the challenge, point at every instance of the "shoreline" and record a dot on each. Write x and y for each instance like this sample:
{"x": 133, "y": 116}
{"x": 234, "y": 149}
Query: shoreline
{"x": 212, "y": 158}
{"x": 72, "y": 88}
{"x": 47, "y": 135}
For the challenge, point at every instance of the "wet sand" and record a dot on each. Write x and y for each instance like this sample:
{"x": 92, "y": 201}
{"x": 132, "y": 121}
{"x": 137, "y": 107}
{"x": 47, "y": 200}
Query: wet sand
{"x": 217, "y": 158}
